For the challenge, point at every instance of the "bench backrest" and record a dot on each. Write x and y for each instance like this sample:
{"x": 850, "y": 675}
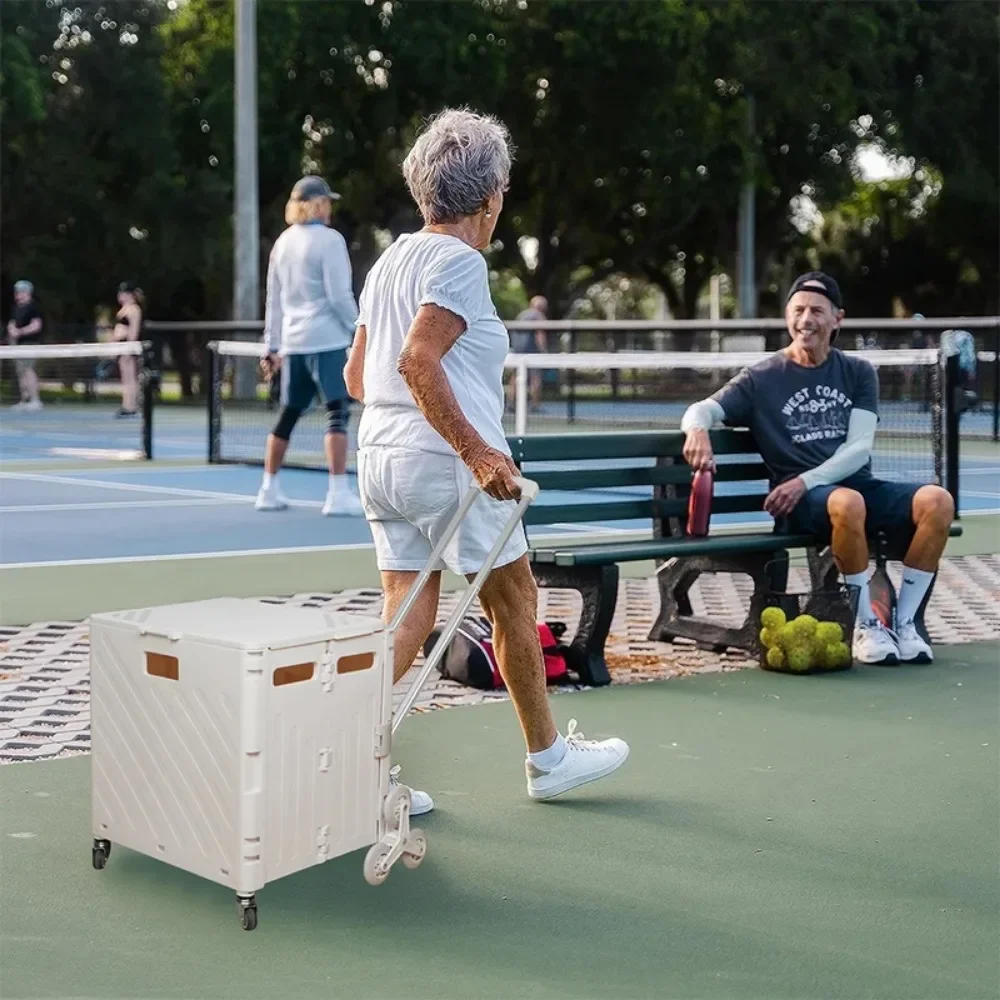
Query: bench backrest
{"x": 628, "y": 454}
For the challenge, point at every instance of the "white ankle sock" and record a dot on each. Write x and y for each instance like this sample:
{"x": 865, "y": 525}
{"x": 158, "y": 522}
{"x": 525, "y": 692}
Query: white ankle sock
{"x": 545, "y": 760}
{"x": 269, "y": 481}
{"x": 915, "y": 584}
{"x": 338, "y": 483}
{"x": 866, "y": 613}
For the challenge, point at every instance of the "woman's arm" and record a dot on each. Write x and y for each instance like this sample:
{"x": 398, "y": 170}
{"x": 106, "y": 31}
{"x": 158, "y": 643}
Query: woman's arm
{"x": 433, "y": 333}
{"x": 354, "y": 370}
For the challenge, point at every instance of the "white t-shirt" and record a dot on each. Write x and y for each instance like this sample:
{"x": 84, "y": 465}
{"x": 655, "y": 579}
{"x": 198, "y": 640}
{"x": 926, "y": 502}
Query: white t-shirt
{"x": 310, "y": 301}
{"x": 431, "y": 269}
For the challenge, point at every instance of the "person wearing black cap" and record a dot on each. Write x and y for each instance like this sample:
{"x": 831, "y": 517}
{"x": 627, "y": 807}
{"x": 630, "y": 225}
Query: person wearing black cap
{"x": 308, "y": 326}
{"x": 813, "y": 411}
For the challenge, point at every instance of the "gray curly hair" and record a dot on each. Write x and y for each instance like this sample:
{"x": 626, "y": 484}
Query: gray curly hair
{"x": 458, "y": 161}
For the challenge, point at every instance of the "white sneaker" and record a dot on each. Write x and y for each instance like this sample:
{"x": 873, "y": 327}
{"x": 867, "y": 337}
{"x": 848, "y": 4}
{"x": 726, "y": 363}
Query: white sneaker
{"x": 585, "y": 760}
{"x": 32, "y": 406}
{"x": 875, "y": 645}
{"x": 19, "y": 406}
{"x": 343, "y": 502}
{"x": 420, "y": 802}
{"x": 270, "y": 499}
{"x": 912, "y": 647}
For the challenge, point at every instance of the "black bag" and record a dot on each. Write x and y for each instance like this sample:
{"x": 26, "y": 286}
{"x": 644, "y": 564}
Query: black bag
{"x": 470, "y": 658}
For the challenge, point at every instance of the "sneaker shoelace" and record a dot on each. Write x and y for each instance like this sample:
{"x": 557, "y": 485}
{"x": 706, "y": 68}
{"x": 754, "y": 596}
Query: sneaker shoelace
{"x": 876, "y": 627}
{"x": 578, "y": 740}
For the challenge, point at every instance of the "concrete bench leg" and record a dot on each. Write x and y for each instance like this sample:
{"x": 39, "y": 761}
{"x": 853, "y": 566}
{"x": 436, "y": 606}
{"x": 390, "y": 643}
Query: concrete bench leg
{"x": 598, "y": 586}
{"x": 677, "y": 576}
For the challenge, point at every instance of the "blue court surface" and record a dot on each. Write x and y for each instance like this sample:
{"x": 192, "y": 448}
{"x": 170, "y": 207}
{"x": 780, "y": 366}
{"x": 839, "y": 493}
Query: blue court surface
{"x": 137, "y": 509}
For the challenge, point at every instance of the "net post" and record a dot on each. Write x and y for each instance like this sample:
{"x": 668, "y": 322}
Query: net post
{"x": 571, "y": 384}
{"x": 952, "y": 417}
{"x": 213, "y": 399}
{"x": 996, "y": 383}
{"x": 148, "y": 383}
{"x": 521, "y": 397}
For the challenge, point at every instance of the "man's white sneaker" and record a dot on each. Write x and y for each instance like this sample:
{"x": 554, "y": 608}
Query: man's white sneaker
{"x": 585, "y": 760}
{"x": 874, "y": 644}
{"x": 343, "y": 502}
{"x": 270, "y": 499}
{"x": 19, "y": 407}
{"x": 420, "y": 802}
{"x": 32, "y": 406}
{"x": 912, "y": 647}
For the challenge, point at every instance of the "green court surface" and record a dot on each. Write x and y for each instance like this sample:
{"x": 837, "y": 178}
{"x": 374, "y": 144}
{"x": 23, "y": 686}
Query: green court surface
{"x": 770, "y": 837}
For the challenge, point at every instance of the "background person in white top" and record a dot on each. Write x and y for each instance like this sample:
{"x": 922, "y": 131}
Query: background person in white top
{"x": 427, "y": 363}
{"x": 308, "y": 326}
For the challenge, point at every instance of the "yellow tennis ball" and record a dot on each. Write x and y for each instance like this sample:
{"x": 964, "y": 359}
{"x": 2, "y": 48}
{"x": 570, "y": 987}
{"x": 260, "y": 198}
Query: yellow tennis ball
{"x": 828, "y": 633}
{"x": 787, "y": 636}
{"x": 776, "y": 658}
{"x": 798, "y": 659}
{"x": 841, "y": 654}
{"x": 772, "y": 618}
{"x": 768, "y": 637}
{"x": 805, "y": 626}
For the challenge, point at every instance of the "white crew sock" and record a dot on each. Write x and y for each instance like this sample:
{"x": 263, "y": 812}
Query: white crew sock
{"x": 270, "y": 481}
{"x": 338, "y": 483}
{"x": 866, "y": 613}
{"x": 545, "y": 760}
{"x": 915, "y": 584}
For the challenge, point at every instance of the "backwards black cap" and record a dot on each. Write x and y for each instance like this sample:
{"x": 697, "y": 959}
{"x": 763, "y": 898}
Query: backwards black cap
{"x": 818, "y": 282}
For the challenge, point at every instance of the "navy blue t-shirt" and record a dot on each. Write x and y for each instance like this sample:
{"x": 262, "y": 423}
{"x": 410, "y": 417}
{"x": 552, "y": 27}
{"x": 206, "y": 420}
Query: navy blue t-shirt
{"x": 799, "y": 415}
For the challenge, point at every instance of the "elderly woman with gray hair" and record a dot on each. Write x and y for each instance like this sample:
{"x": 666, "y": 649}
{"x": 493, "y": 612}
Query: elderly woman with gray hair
{"x": 427, "y": 362}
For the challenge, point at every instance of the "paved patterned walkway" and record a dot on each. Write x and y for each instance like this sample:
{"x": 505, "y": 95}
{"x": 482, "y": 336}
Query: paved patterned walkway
{"x": 44, "y": 670}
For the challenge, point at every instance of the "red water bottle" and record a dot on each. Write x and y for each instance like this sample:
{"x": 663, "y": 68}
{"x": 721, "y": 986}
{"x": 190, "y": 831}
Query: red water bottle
{"x": 700, "y": 503}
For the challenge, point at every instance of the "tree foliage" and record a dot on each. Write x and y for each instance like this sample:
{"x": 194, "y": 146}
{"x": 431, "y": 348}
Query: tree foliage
{"x": 631, "y": 121}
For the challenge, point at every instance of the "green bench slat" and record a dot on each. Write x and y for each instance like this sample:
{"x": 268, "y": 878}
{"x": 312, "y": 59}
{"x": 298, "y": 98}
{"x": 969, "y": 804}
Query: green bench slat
{"x": 642, "y": 475}
{"x": 632, "y": 510}
{"x": 620, "y": 444}
{"x": 666, "y": 548}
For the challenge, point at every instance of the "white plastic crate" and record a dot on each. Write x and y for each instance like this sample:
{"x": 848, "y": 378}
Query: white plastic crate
{"x": 238, "y": 740}
{"x": 244, "y": 741}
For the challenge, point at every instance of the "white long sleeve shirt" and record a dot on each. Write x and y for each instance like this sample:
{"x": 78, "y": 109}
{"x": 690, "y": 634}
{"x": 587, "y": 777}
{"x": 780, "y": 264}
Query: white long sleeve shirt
{"x": 310, "y": 300}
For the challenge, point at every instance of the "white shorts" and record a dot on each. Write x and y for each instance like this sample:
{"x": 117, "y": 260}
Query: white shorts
{"x": 409, "y": 499}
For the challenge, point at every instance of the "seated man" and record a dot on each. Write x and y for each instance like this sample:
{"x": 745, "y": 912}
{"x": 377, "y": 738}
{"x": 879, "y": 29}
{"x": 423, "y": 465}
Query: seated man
{"x": 813, "y": 410}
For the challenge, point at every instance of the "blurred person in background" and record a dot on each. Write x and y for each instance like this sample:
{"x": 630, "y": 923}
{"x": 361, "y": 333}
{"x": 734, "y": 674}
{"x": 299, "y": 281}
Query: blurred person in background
{"x": 128, "y": 327}
{"x": 25, "y": 327}
{"x": 308, "y": 326}
{"x": 530, "y": 342}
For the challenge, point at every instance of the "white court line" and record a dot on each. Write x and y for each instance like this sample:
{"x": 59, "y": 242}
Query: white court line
{"x": 101, "y": 484}
{"x": 235, "y": 553}
{"x": 50, "y": 508}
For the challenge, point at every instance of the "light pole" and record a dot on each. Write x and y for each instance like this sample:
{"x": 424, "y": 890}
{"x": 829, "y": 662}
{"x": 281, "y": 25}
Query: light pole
{"x": 246, "y": 222}
{"x": 747, "y": 278}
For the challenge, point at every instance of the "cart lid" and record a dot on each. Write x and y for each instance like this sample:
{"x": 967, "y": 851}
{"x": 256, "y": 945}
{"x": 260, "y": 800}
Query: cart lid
{"x": 243, "y": 623}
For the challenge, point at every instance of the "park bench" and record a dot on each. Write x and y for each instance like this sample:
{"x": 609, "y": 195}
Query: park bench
{"x": 606, "y": 466}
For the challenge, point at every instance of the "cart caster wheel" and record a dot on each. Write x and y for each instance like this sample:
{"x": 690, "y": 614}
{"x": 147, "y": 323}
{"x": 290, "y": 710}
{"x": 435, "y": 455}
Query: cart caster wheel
{"x": 391, "y": 804}
{"x": 376, "y": 871}
{"x": 416, "y": 848}
{"x": 248, "y": 913}
{"x": 100, "y": 853}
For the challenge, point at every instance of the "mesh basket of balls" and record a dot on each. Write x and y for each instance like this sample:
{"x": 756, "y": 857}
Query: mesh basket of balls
{"x": 808, "y": 633}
